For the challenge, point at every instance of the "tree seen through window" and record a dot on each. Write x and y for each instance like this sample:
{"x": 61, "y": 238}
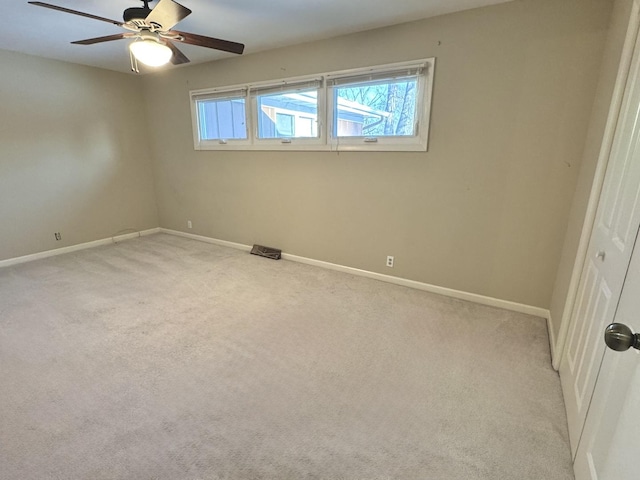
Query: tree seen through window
{"x": 376, "y": 109}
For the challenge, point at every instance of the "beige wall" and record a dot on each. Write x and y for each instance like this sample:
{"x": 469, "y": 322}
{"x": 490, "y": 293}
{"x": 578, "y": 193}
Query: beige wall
{"x": 73, "y": 155}
{"x": 484, "y": 211}
{"x": 598, "y": 119}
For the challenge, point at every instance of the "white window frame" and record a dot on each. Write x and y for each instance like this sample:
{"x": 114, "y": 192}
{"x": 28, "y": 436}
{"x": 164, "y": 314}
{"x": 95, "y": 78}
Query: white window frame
{"x": 293, "y": 143}
{"x": 325, "y": 140}
{"x": 240, "y": 91}
{"x": 396, "y": 143}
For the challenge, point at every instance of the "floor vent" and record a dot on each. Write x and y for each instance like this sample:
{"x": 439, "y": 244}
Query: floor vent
{"x": 267, "y": 252}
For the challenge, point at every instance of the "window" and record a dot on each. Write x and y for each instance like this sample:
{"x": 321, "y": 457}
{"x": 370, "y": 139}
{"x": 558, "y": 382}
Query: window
{"x": 307, "y": 126}
{"x": 287, "y": 112}
{"x": 221, "y": 117}
{"x": 374, "y": 109}
{"x": 377, "y": 108}
{"x": 285, "y": 126}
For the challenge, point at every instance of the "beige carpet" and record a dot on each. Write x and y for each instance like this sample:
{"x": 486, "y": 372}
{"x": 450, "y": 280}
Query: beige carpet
{"x": 166, "y": 358}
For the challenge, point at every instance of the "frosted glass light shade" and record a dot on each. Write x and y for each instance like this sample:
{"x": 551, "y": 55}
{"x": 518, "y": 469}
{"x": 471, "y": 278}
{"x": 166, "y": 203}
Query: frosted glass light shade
{"x": 151, "y": 53}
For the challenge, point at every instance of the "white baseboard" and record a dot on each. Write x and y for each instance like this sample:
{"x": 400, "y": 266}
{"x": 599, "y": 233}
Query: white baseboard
{"x": 201, "y": 238}
{"x": 472, "y": 297}
{"x": 74, "y": 248}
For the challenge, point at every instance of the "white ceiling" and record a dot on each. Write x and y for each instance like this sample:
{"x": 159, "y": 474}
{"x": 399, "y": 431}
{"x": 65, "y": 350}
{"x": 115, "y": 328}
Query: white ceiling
{"x": 259, "y": 24}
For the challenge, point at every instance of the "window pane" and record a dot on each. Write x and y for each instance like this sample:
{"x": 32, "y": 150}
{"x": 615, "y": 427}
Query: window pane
{"x": 288, "y": 115}
{"x": 284, "y": 124}
{"x": 375, "y": 109}
{"x": 306, "y": 127}
{"x": 223, "y": 119}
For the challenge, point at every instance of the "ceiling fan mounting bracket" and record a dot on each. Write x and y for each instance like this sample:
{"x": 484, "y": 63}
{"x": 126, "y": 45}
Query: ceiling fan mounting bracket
{"x": 138, "y": 24}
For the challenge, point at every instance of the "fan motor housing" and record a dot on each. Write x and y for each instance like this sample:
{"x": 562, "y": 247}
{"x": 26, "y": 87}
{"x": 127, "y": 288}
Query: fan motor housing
{"x": 136, "y": 13}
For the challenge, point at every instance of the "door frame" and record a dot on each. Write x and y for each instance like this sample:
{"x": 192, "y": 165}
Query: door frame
{"x": 633, "y": 30}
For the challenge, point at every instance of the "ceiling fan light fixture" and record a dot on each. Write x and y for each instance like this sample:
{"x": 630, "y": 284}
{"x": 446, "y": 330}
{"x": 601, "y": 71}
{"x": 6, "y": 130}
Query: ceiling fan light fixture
{"x": 152, "y": 29}
{"x": 151, "y": 52}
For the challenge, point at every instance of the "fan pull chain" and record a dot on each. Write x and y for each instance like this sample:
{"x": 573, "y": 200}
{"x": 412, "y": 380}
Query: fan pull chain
{"x": 134, "y": 63}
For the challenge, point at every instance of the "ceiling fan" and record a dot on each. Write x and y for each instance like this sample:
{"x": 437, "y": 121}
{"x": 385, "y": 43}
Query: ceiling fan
{"x": 152, "y": 34}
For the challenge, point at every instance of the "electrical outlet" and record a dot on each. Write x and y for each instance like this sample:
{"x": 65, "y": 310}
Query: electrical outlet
{"x": 57, "y": 235}
{"x": 189, "y": 224}
{"x": 390, "y": 261}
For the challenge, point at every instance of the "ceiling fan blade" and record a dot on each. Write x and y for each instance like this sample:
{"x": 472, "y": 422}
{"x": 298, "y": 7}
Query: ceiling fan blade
{"x": 167, "y": 14}
{"x": 178, "y": 57}
{"x": 108, "y": 38}
{"x": 75, "y": 12}
{"x": 209, "y": 42}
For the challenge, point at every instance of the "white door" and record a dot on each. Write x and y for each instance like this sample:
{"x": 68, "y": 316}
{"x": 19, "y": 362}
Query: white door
{"x": 607, "y": 259}
{"x": 610, "y": 444}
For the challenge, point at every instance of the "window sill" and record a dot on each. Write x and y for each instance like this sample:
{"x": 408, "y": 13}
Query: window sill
{"x": 316, "y": 148}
